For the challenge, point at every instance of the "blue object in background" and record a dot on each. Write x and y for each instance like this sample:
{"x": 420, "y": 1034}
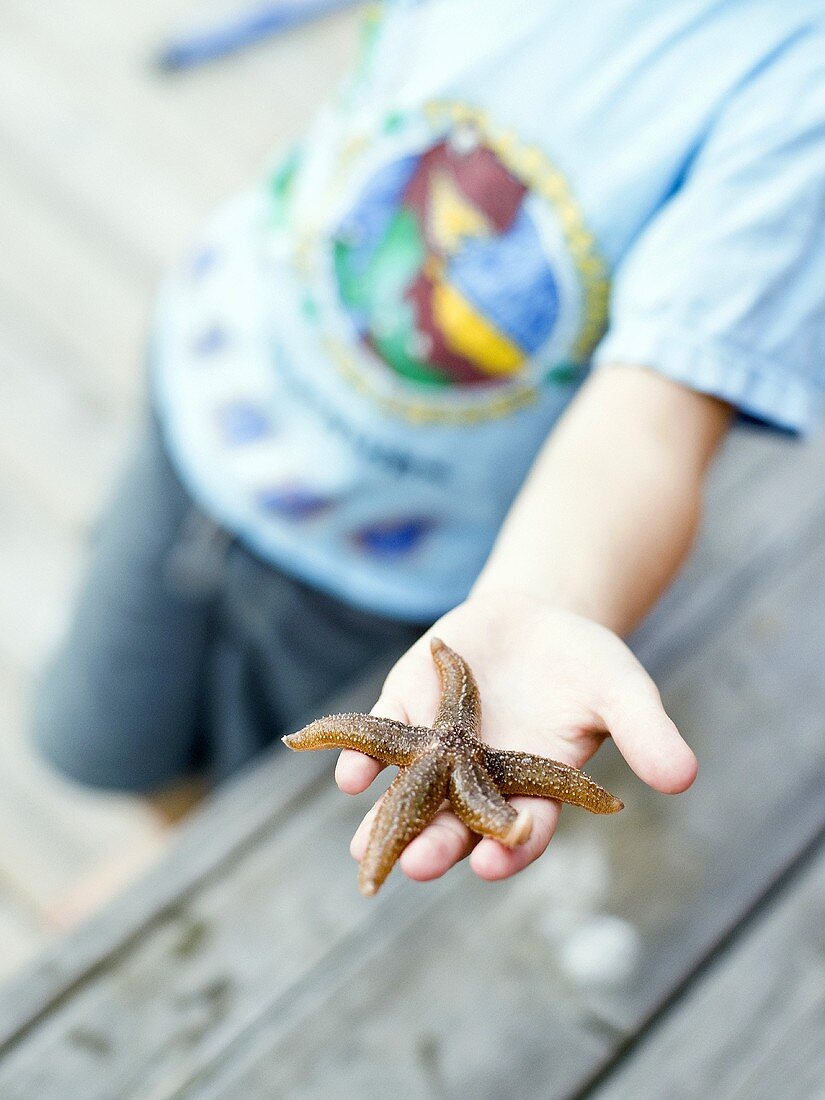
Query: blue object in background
{"x": 246, "y": 29}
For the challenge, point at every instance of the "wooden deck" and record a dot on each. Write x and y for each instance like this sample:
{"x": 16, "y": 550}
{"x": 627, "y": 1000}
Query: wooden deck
{"x": 676, "y": 951}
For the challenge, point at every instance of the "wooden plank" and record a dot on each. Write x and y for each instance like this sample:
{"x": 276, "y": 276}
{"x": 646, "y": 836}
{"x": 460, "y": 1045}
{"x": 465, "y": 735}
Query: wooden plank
{"x": 258, "y": 100}
{"x": 754, "y": 1025}
{"x": 59, "y": 444}
{"x": 52, "y": 832}
{"x": 203, "y": 1000}
{"x": 140, "y": 160}
{"x": 40, "y": 564}
{"x": 764, "y": 501}
{"x": 65, "y": 285}
{"x": 20, "y": 937}
{"x": 297, "y": 987}
{"x": 93, "y": 154}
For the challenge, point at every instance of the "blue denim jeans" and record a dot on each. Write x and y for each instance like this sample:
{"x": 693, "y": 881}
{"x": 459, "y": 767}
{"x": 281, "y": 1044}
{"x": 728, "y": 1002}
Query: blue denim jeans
{"x": 186, "y": 654}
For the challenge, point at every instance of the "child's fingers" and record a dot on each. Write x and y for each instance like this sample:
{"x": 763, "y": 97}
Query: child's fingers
{"x": 446, "y": 841}
{"x": 358, "y": 844}
{"x": 355, "y": 771}
{"x": 439, "y": 847}
{"x": 648, "y": 740}
{"x": 493, "y": 860}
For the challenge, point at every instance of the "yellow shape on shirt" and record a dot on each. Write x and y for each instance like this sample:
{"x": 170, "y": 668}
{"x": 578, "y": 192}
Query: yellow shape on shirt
{"x": 451, "y": 218}
{"x": 470, "y": 335}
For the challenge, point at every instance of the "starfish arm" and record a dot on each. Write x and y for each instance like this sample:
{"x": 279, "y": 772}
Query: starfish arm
{"x": 411, "y": 802}
{"x": 477, "y": 802}
{"x": 385, "y": 740}
{"x": 460, "y": 703}
{"x": 524, "y": 773}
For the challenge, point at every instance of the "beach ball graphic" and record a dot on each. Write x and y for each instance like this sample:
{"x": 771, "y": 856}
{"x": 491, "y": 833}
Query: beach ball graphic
{"x": 441, "y": 268}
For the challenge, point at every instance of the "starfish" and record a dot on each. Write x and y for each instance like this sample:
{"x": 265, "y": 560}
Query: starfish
{"x": 448, "y": 760}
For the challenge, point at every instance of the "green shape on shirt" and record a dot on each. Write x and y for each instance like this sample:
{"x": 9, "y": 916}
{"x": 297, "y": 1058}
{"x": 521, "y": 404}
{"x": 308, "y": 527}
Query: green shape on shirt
{"x": 309, "y": 308}
{"x": 280, "y": 186}
{"x": 564, "y": 373}
{"x": 393, "y": 121}
{"x": 376, "y": 291}
{"x": 394, "y": 347}
{"x": 376, "y": 286}
{"x": 372, "y": 21}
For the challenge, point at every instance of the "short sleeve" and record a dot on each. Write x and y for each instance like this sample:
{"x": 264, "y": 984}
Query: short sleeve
{"x": 724, "y": 289}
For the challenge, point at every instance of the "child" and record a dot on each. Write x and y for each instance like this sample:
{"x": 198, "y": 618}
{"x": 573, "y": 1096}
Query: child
{"x": 466, "y": 355}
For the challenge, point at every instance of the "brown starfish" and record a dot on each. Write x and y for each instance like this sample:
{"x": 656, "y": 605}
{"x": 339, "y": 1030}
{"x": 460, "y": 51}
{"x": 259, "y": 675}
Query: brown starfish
{"x": 447, "y": 761}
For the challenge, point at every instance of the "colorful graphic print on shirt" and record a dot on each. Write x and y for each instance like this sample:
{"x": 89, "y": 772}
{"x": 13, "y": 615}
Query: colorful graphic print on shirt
{"x": 463, "y": 266}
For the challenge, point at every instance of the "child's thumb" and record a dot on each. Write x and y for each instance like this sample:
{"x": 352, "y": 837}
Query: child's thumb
{"x": 648, "y": 739}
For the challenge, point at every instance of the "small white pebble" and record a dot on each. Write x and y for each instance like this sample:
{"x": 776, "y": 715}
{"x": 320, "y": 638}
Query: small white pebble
{"x": 605, "y": 950}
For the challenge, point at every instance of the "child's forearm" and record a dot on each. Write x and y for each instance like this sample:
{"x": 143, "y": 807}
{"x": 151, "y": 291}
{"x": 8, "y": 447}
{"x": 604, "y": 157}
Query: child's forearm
{"x": 612, "y": 504}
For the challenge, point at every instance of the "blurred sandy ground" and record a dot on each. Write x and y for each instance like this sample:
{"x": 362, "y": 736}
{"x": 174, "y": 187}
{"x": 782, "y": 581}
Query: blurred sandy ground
{"x": 106, "y": 170}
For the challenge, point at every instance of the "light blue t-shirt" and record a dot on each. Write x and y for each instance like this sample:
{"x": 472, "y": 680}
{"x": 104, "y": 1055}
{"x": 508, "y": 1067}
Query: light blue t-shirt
{"x": 357, "y": 365}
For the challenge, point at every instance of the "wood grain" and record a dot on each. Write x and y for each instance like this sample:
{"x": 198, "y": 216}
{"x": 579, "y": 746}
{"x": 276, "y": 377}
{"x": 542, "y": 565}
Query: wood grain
{"x": 753, "y": 1027}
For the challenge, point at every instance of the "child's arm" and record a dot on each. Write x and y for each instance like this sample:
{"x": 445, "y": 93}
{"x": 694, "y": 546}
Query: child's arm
{"x": 612, "y": 505}
{"x": 599, "y": 529}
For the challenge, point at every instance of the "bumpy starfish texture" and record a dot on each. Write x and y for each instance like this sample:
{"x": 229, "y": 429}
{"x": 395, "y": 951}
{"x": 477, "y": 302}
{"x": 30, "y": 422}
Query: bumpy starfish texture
{"x": 448, "y": 760}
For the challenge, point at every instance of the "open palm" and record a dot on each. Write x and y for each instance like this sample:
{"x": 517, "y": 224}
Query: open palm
{"x": 551, "y": 683}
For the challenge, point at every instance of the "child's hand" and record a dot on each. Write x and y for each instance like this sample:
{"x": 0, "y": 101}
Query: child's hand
{"x": 552, "y": 683}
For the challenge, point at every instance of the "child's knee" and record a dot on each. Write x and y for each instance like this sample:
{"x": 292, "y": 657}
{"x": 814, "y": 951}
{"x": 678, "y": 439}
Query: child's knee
{"x": 86, "y": 742}
{"x": 56, "y": 734}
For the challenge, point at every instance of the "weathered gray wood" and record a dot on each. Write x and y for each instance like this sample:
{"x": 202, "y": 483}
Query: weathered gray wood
{"x": 260, "y": 99}
{"x": 307, "y": 988}
{"x": 145, "y": 158}
{"x": 765, "y": 501}
{"x": 19, "y": 935}
{"x": 59, "y": 445}
{"x": 753, "y": 1027}
{"x": 39, "y": 562}
{"x": 51, "y": 831}
{"x": 72, "y": 290}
